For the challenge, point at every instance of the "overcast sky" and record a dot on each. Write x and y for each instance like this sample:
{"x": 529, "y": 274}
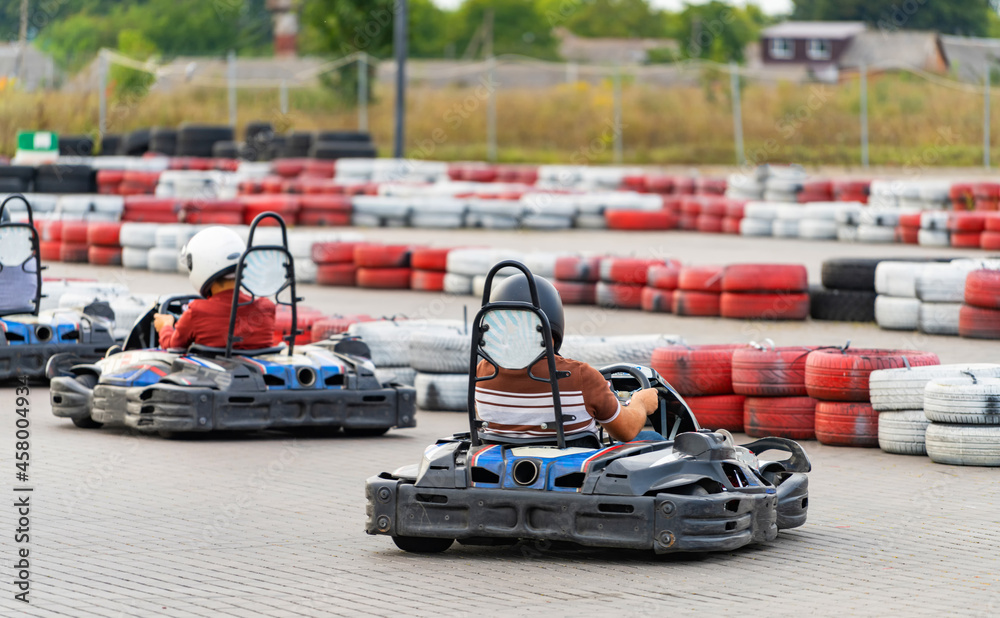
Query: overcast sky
{"x": 769, "y": 6}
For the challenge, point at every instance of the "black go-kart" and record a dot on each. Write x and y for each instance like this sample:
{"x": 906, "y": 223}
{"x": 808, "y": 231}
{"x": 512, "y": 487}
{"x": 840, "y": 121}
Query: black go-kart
{"x": 29, "y": 338}
{"x": 693, "y": 491}
{"x": 326, "y": 385}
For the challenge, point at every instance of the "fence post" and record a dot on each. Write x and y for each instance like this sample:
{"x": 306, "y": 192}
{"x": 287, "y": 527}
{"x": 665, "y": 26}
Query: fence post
{"x": 399, "y": 45}
{"x": 231, "y": 60}
{"x": 491, "y": 113}
{"x": 362, "y": 91}
{"x": 102, "y": 79}
{"x": 863, "y": 74}
{"x": 571, "y": 72}
{"x": 734, "y": 85}
{"x": 986, "y": 119}
{"x": 618, "y": 114}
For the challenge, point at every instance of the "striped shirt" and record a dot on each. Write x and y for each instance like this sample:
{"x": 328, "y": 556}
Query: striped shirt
{"x": 516, "y": 406}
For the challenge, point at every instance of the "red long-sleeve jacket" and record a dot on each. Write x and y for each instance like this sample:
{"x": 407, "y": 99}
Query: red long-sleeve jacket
{"x": 206, "y": 322}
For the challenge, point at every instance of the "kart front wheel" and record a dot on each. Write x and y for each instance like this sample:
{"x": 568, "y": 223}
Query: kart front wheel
{"x": 87, "y": 423}
{"x": 88, "y": 381}
{"x": 422, "y": 545}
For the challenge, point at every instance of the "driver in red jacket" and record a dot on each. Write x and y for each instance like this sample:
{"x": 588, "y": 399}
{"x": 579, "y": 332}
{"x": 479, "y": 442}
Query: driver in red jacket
{"x": 211, "y": 257}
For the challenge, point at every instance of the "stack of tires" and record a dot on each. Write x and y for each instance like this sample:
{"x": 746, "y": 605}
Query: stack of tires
{"x": 819, "y": 220}
{"x": 734, "y": 217}
{"x": 163, "y": 140}
{"x": 62, "y": 178}
{"x": 758, "y": 219}
{"x": 383, "y": 266}
{"x": 576, "y": 279}
{"x": 908, "y": 228}
{"x": 878, "y": 225}
{"x": 851, "y": 190}
{"x": 941, "y": 290}
{"x": 990, "y": 239}
{"x": 441, "y": 360}
{"x": 847, "y": 293}
{"x": 987, "y": 195}
{"x": 341, "y": 145}
{"x": 979, "y": 317}
{"x": 934, "y": 229}
{"x": 105, "y": 246}
{"x": 137, "y": 240}
{"x": 198, "y": 141}
{"x": 898, "y": 397}
{"x": 839, "y": 379}
{"x": 49, "y": 239}
{"x": 324, "y": 210}
{"x": 765, "y": 292}
{"x": 150, "y": 209}
{"x": 430, "y": 267}
{"x": 622, "y": 281}
{"x": 704, "y": 376}
{"x": 773, "y": 380}
{"x": 74, "y": 248}
{"x": 16, "y": 178}
{"x": 897, "y": 306}
{"x": 164, "y": 257}
{"x": 335, "y": 263}
{"x": 389, "y": 342}
{"x": 965, "y": 420}
{"x": 966, "y": 229}
{"x": 848, "y": 218}
{"x": 661, "y": 284}
{"x": 699, "y": 291}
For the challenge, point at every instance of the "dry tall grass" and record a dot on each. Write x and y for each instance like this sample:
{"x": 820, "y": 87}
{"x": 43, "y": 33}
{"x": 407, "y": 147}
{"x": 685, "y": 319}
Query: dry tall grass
{"x": 912, "y": 122}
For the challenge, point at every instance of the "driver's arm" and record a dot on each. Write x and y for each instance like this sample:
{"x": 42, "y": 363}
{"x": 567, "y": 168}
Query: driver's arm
{"x": 181, "y": 333}
{"x": 632, "y": 418}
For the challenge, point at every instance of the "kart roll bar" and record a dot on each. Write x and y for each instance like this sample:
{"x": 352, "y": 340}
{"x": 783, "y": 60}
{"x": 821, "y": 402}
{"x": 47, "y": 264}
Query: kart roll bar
{"x": 289, "y": 281}
{"x": 30, "y": 225}
{"x": 548, "y": 352}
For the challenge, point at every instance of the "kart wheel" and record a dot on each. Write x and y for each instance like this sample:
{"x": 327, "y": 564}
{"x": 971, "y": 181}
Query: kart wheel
{"x": 367, "y": 432}
{"x": 88, "y": 381}
{"x": 87, "y": 423}
{"x": 422, "y": 545}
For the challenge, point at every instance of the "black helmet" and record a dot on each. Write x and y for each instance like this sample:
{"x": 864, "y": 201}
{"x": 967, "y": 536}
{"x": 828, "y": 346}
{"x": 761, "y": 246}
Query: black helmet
{"x": 515, "y": 288}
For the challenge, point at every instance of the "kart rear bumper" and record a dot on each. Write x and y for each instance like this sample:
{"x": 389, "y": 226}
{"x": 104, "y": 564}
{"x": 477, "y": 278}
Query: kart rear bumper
{"x": 663, "y": 523}
{"x": 29, "y": 360}
{"x": 172, "y": 408}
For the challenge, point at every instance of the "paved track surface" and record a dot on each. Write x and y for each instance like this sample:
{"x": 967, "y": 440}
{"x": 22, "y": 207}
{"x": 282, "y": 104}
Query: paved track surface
{"x": 270, "y": 525}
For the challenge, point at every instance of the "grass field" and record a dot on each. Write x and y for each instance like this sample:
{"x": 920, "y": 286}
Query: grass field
{"x": 913, "y": 123}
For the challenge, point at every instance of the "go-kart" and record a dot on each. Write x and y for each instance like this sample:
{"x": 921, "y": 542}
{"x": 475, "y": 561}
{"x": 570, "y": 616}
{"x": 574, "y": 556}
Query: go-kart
{"x": 692, "y": 491}
{"x": 330, "y": 384}
{"x": 29, "y": 338}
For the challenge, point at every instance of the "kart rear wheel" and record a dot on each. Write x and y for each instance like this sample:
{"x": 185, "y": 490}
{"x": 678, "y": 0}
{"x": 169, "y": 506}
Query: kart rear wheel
{"x": 88, "y": 381}
{"x": 362, "y": 432}
{"x": 422, "y": 545}
{"x": 87, "y": 423}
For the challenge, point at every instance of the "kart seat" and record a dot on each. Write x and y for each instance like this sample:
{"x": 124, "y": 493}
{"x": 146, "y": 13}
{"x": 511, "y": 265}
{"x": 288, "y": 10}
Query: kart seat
{"x": 18, "y": 271}
{"x": 204, "y": 350}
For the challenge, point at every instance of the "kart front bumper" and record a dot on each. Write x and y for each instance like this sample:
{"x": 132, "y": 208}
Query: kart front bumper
{"x": 69, "y": 398}
{"x": 172, "y": 408}
{"x": 108, "y": 404}
{"x": 30, "y": 360}
{"x": 663, "y": 523}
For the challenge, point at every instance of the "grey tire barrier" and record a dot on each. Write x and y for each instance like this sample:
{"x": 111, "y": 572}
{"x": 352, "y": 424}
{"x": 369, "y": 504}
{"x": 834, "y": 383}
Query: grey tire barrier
{"x": 598, "y": 351}
{"x": 138, "y": 235}
{"x": 965, "y": 400}
{"x": 162, "y": 259}
{"x": 903, "y": 388}
{"x": 135, "y": 257}
{"x": 440, "y": 351}
{"x": 396, "y": 375}
{"x": 963, "y": 445}
{"x": 897, "y": 313}
{"x": 756, "y": 227}
{"x": 902, "y": 432}
{"x": 442, "y": 391}
{"x": 818, "y": 229}
{"x": 939, "y": 318}
{"x": 898, "y": 278}
{"x": 876, "y": 234}
{"x": 389, "y": 340}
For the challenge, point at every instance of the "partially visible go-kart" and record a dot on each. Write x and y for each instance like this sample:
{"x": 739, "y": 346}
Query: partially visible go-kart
{"x": 329, "y": 384}
{"x": 28, "y": 337}
{"x": 693, "y": 491}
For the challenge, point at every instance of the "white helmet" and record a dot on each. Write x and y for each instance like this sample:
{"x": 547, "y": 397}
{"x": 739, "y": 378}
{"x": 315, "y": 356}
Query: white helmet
{"x": 210, "y": 254}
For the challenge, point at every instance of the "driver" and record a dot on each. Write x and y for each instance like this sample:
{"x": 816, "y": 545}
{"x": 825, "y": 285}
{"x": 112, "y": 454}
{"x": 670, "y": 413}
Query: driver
{"x": 515, "y": 405}
{"x": 211, "y": 257}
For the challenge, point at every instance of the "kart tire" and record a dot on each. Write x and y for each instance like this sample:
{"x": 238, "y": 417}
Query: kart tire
{"x": 427, "y": 280}
{"x": 775, "y": 306}
{"x": 834, "y": 374}
{"x": 578, "y": 268}
{"x": 982, "y": 289}
{"x": 457, "y": 284}
{"x": 104, "y": 256}
{"x": 963, "y": 445}
{"x": 103, "y": 233}
{"x": 422, "y": 545}
{"x": 785, "y": 228}
{"x": 657, "y": 301}
{"x": 162, "y": 259}
{"x": 334, "y": 252}
{"x": 382, "y": 256}
{"x": 700, "y": 278}
{"x": 718, "y": 411}
{"x": 841, "y": 305}
{"x": 939, "y": 318}
{"x": 765, "y": 278}
{"x": 440, "y": 351}
{"x": 979, "y": 323}
{"x": 430, "y": 259}
{"x": 897, "y": 313}
{"x": 702, "y": 304}
{"x": 775, "y": 372}
{"x": 618, "y": 295}
{"x": 965, "y": 400}
{"x": 902, "y": 432}
{"x": 442, "y": 392}
{"x": 88, "y": 381}
{"x": 849, "y": 274}
{"x": 340, "y": 274}
{"x": 784, "y": 417}
{"x": 903, "y": 389}
{"x": 697, "y": 370}
{"x": 627, "y": 270}
{"x": 663, "y": 277}
{"x": 73, "y": 252}
{"x": 846, "y": 424}
{"x": 576, "y": 292}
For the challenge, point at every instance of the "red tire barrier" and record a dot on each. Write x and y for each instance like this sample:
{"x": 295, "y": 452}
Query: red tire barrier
{"x": 73, "y": 252}
{"x": 979, "y": 323}
{"x": 987, "y": 194}
{"x": 50, "y": 231}
{"x": 430, "y": 259}
{"x": 709, "y": 224}
{"x": 718, "y": 411}
{"x": 966, "y": 240}
{"x": 103, "y": 233}
{"x": 104, "y": 256}
{"x": 714, "y": 206}
{"x": 577, "y": 268}
{"x": 700, "y": 278}
{"x": 618, "y": 295}
{"x": 908, "y": 235}
{"x": 909, "y": 219}
{"x": 785, "y": 417}
{"x": 334, "y": 325}
{"x": 833, "y": 374}
{"x": 846, "y": 424}
{"x": 698, "y": 370}
{"x": 627, "y": 270}
{"x": 992, "y": 223}
{"x": 324, "y": 219}
{"x": 341, "y": 274}
{"x": 659, "y": 301}
{"x": 687, "y": 222}
{"x": 215, "y": 212}
{"x": 966, "y": 221}
{"x": 775, "y": 306}
{"x": 982, "y": 289}
{"x": 576, "y": 292}
{"x": 699, "y": 304}
{"x": 50, "y": 250}
{"x": 384, "y": 278}
{"x": 427, "y": 280}
{"x": 285, "y": 205}
{"x": 305, "y": 317}
{"x": 731, "y": 225}
{"x": 75, "y": 232}
{"x": 150, "y": 209}
{"x": 334, "y": 252}
{"x": 990, "y": 241}
{"x": 382, "y": 256}
{"x": 640, "y": 220}
{"x": 765, "y": 278}
{"x": 961, "y": 196}
{"x": 288, "y": 168}
{"x": 662, "y": 277}
{"x": 735, "y": 208}
{"x": 775, "y": 372}
{"x": 691, "y": 206}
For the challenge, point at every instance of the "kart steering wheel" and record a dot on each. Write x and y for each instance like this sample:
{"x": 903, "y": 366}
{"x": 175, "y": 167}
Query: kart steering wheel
{"x": 143, "y": 334}
{"x": 639, "y": 381}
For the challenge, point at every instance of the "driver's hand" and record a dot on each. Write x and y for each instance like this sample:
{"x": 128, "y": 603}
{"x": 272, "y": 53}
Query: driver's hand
{"x": 648, "y": 398}
{"x": 161, "y": 320}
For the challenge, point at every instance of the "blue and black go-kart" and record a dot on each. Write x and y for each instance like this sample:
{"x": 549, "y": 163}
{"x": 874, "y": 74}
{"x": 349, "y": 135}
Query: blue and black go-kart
{"x": 329, "y": 384}
{"x": 694, "y": 491}
{"x": 29, "y": 338}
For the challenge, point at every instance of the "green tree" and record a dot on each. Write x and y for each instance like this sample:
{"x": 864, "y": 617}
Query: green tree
{"x": 605, "y": 18}
{"x": 519, "y": 27}
{"x": 715, "y": 31}
{"x": 965, "y": 17}
{"x": 128, "y": 82}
